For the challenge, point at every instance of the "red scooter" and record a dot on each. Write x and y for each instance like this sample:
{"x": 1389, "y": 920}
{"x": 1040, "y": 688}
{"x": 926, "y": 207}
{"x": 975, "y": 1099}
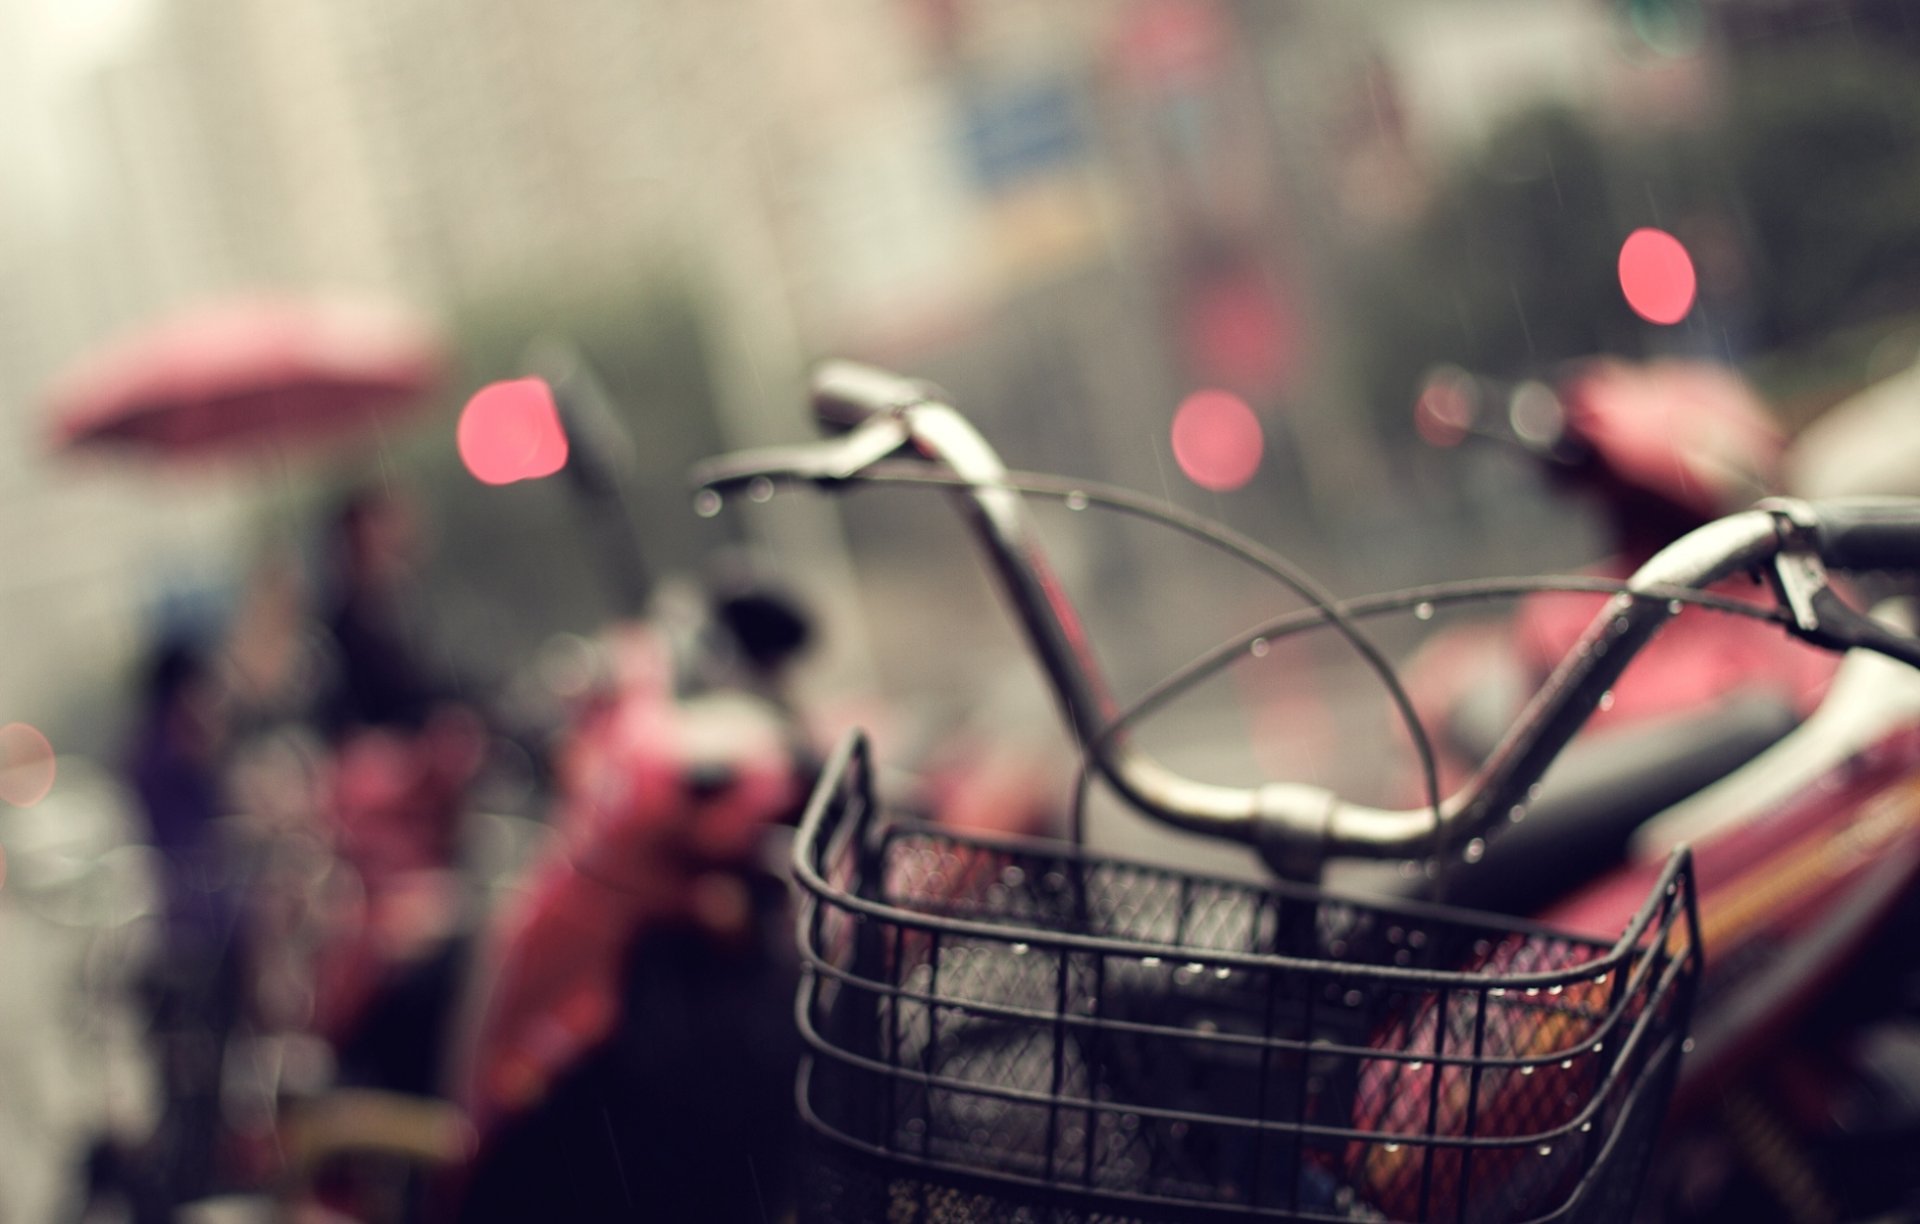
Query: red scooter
{"x": 1803, "y": 856}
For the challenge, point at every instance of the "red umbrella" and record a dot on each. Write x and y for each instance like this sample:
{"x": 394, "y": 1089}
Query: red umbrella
{"x": 248, "y": 375}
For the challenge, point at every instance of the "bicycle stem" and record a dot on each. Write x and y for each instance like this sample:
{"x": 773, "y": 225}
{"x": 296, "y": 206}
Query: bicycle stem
{"x": 1295, "y": 827}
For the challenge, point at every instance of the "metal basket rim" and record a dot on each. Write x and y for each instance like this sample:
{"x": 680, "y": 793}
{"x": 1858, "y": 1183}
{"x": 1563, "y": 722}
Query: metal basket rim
{"x": 1675, "y": 882}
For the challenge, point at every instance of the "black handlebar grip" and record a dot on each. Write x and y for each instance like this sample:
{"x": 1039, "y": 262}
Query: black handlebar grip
{"x": 846, "y": 393}
{"x": 1869, "y": 533}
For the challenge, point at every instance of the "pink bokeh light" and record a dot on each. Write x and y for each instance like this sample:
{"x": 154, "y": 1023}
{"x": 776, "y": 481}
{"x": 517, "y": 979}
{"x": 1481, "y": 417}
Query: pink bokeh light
{"x": 27, "y": 766}
{"x": 511, "y": 431}
{"x": 1657, "y": 276}
{"x": 1217, "y": 440}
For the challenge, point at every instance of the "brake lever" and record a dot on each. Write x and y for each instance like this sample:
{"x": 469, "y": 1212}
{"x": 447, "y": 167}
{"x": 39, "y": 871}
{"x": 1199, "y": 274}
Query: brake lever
{"x": 828, "y": 463}
{"x": 1820, "y": 615}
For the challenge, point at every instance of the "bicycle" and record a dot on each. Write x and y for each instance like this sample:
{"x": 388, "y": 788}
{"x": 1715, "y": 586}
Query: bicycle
{"x": 1012, "y": 1030}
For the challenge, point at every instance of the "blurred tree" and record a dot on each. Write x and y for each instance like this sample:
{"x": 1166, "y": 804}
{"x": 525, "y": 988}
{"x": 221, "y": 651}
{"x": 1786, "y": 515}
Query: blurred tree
{"x": 511, "y": 564}
{"x": 1797, "y": 201}
{"x": 1822, "y": 143}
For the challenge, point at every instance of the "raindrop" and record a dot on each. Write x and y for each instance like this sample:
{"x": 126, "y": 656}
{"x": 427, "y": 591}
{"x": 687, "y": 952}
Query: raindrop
{"x": 1151, "y": 962}
{"x": 1423, "y": 611}
{"x": 1416, "y": 1066}
{"x": 1527, "y": 1070}
{"x": 1021, "y": 949}
{"x": 1554, "y": 990}
{"x": 1498, "y": 992}
{"x": 707, "y": 503}
{"x": 1606, "y": 700}
{"x": 1533, "y": 992}
{"x": 1391, "y": 1147}
{"x": 1601, "y": 980}
{"x": 1353, "y": 998}
{"x": 1475, "y": 850}
{"x": 1567, "y": 1065}
{"x": 1545, "y": 1149}
{"x": 1517, "y": 813}
{"x": 1222, "y": 973}
{"x": 1076, "y": 500}
{"x": 1012, "y": 877}
{"x": 1586, "y": 1128}
{"x": 1673, "y": 607}
{"x": 1259, "y": 647}
{"x": 760, "y": 489}
{"x": 1686, "y": 1047}
{"x": 1597, "y": 1047}
{"x": 1599, "y": 648}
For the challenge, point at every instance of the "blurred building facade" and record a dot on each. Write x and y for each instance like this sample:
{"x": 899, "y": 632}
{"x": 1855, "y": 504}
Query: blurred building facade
{"x": 1072, "y": 213}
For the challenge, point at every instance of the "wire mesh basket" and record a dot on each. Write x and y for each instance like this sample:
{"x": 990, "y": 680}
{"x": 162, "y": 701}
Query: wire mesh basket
{"x": 1010, "y": 1030}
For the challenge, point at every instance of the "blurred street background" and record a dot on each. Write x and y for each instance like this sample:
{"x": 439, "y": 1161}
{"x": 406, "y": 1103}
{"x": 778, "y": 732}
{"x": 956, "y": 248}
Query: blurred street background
{"x": 1073, "y": 216}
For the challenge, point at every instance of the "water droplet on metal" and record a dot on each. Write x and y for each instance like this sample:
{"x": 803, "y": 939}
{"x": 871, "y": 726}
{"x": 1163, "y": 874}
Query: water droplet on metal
{"x": 1076, "y": 500}
{"x": 1391, "y": 1147}
{"x": 1527, "y": 1070}
{"x": 1021, "y": 949}
{"x": 1554, "y": 990}
{"x": 1416, "y": 1066}
{"x": 1606, "y": 700}
{"x": 1673, "y": 607}
{"x": 1423, "y": 611}
{"x": 707, "y": 503}
{"x": 1151, "y": 962}
{"x": 760, "y": 489}
{"x": 1259, "y": 647}
{"x": 1545, "y": 1149}
{"x": 1586, "y": 1128}
{"x": 1567, "y": 1065}
{"x": 1475, "y": 850}
{"x": 1222, "y": 973}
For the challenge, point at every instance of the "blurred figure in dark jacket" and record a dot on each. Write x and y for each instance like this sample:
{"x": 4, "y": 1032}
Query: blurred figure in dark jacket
{"x": 195, "y": 984}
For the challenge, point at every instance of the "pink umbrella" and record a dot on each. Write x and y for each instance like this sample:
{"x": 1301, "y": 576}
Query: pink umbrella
{"x": 248, "y": 375}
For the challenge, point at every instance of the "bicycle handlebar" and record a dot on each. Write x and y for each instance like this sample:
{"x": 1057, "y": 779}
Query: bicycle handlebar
{"x": 1294, "y": 826}
{"x": 1867, "y": 534}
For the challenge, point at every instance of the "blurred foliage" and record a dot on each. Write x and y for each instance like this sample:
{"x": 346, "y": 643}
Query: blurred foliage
{"x": 511, "y": 565}
{"x": 1823, "y": 149}
{"x": 1800, "y": 201}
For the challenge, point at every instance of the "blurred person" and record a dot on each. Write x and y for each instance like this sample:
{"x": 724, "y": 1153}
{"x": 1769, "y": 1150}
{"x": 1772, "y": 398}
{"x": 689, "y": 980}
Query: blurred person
{"x": 194, "y": 987}
{"x": 403, "y": 748}
{"x": 634, "y": 1051}
{"x": 382, "y": 672}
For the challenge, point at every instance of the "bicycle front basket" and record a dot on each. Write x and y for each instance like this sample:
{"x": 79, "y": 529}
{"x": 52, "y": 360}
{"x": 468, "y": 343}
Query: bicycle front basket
{"x": 1017, "y": 1030}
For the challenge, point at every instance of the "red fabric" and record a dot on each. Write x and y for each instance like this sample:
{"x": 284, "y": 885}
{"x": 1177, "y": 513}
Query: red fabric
{"x": 1691, "y": 432}
{"x": 639, "y": 843}
{"x": 1698, "y": 659}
